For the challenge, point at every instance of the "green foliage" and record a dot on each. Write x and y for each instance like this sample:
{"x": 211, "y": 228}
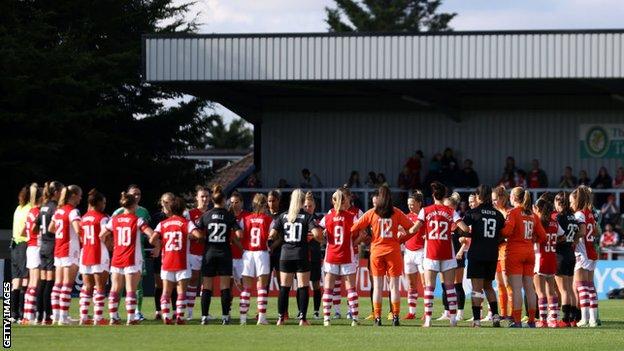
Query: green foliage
{"x": 234, "y": 136}
{"x": 387, "y": 16}
{"x": 73, "y": 106}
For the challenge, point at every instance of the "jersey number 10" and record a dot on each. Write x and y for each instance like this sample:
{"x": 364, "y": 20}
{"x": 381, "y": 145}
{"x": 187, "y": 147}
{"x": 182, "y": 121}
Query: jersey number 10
{"x": 124, "y": 236}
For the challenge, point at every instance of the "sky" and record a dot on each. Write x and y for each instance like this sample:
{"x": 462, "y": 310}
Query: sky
{"x": 275, "y": 16}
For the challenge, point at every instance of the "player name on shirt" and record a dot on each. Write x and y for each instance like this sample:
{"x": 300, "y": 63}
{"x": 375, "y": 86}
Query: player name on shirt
{"x": 171, "y": 223}
{"x": 449, "y": 216}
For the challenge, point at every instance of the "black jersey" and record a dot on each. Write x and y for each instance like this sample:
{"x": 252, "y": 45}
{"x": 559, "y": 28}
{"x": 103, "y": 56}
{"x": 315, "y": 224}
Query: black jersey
{"x": 315, "y": 246}
{"x": 570, "y": 226}
{"x": 43, "y": 221}
{"x": 218, "y": 223}
{"x": 295, "y": 235}
{"x": 486, "y": 223}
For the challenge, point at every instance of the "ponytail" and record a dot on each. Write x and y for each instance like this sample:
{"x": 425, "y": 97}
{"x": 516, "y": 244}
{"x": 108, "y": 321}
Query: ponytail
{"x": 545, "y": 208}
{"x": 337, "y": 199}
{"x": 259, "y": 203}
{"x": 35, "y": 193}
{"x": 68, "y": 192}
{"x": 127, "y": 200}
{"x": 50, "y": 189}
{"x": 296, "y": 202}
{"x": 217, "y": 194}
{"x": 63, "y": 196}
{"x": 526, "y": 203}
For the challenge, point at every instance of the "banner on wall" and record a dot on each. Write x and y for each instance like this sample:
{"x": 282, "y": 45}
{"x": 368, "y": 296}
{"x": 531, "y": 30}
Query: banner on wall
{"x": 601, "y": 141}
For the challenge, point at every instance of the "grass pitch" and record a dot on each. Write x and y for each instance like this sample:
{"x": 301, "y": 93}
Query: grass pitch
{"x": 151, "y": 335}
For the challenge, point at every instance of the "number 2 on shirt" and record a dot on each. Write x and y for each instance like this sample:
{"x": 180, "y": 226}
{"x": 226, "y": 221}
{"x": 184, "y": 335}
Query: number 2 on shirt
{"x": 217, "y": 232}
{"x": 438, "y": 231}
{"x": 386, "y": 227}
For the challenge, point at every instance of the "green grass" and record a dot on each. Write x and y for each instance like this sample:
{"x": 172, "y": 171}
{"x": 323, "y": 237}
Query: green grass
{"x": 154, "y": 336}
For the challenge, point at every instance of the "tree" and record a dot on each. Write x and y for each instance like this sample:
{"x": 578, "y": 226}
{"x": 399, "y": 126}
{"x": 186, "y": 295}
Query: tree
{"x": 73, "y": 107}
{"x": 235, "y": 136}
{"x": 388, "y": 16}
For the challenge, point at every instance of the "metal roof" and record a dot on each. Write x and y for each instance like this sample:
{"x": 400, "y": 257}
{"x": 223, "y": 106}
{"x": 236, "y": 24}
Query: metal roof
{"x": 557, "y": 54}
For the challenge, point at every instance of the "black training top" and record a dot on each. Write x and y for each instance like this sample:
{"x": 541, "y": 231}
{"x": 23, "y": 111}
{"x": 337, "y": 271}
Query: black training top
{"x": 295, "y": 235}
{"x": 570, "y": 226}
{"x": 43, "y": 221}
{"x": 486, "y": 223}
{"x": 218, "y": 223}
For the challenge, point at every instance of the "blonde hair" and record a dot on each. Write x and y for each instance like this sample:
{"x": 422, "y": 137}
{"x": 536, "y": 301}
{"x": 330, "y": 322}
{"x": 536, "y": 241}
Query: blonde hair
{"x": 454, "y": 199}
{"x": 296, "y": 202}
{"x": 35, "y": 192}
{"x": 68, "y": 192}
{"x": 171, "y": 197}
{"x": 259, "y": 203}
{"x": 524, "y": 197}
{"x": 338, "y": 199}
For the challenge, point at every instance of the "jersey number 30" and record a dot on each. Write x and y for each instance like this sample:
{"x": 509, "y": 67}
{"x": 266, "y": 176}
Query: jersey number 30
{"x": 293, "y": 232}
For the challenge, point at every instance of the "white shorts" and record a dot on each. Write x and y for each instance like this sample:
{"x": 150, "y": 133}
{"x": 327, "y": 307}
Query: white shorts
{"x": 175, "y": 276}
{"x": 33, "y": 260}
{"x": 582, "y": 262}
{"x": 340, "y": 269}
{"x": 66, "y": 261}
{"x": 439, "y": 265}
{"x": 195, "y": 262}
{"x": 137, "y": 268}
{"x": 237, "y": 268}
{"x": 413, "y": 261}
{"x": 256, "y": 263}
{"x": 103, "y": 266}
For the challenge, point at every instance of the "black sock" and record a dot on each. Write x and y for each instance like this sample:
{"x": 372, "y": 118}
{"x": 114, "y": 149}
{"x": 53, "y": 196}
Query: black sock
{"x": 372, "y": 291}
{"x": 493, "y": 307}
{"x": 22, "y": 299}
{"x": 461, "y": 296}
{"x": 566, "y": 313}
{"x": 304, "y": 299}
{"x": 226, "y": 301}
{"x": 390, "y": 301}
{"x": 174, "y": 298}
{"x": 577, "y": 314}
{"x": 206, "y": 296}
{"x": 15, "y": 295}
{"x": 298, "y": 298}
{"x": 318, "y": 294}
{"x": 40, "y": 293}
{"x": 282, "y": 300}
{"x": 476, "y": 313}
{"x": 47, "y": 298}
{"x": 444, "y": 299}
{"x": 157, "y": 295}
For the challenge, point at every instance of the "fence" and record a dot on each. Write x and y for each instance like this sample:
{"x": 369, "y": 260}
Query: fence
{"x": 323, "y": 195}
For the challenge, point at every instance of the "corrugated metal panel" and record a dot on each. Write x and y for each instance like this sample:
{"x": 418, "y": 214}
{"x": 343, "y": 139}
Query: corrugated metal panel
{"x": 332, "y": 146}
{"x": 385, "y": 57}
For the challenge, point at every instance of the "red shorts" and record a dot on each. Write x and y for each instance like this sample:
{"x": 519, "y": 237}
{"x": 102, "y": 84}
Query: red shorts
{"x": 519, "y": 262}
{"x": 546, "y": 264}
{"x": 390, "y": 264}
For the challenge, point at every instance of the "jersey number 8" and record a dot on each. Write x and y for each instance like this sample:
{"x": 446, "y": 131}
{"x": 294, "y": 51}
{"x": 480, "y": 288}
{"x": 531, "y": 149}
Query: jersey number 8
{"x": 254, "y": 239}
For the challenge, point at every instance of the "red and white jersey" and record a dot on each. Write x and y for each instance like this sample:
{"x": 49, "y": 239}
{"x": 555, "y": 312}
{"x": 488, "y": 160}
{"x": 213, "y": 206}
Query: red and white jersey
{"x": 548, "y": 248}
{"x": 92, "y": 246}
{"x": 197, "y": 246}
{"x": 237, "y": 253}
{"x": 65, "y": 235}
{"x": 339, "y": 236}
{"x": 586, "y": 246}
{"x": 126, "y": 229}
{"x": 357, "y": 213}
{"x": 439, "y": 221}
{"x": 417, "y": 241}
{"x": 32, "y": 231}
{"x": 174, "y": 234}
{"x": 256, "y": 229}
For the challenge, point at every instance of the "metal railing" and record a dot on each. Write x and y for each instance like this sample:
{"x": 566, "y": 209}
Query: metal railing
{"x": 323, "y": 195}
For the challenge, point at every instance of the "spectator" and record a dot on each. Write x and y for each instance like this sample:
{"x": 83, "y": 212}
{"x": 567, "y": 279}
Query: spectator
{"x": 449, "y": 167}
{"x": 609, "y": 211}
{"x": 468, "y": 178}
{"x": 253, "y": 181}
{"x": 310, "y": 180}
{"x": 618, "y": 181}
{"x": 520, "y": 178}
{"x": 568, "y": 181}
{"x": 372, "y": 181}
{"x": 406, "y": 179}
{"x": 414, "y": 163}
{"x": 602, "y": 181}
{"x": 609, "y": 238}
{"x": 354, "y": 180}
{"x": 583, "y": 179}
{"x": 537, "y": 176}
{"x": 381, "y": 180}
{"x": 507, "y": 180}
{"x": 510, "y": 165}
{"x": 282, "y": 184}
{"x": 435, "y": 165}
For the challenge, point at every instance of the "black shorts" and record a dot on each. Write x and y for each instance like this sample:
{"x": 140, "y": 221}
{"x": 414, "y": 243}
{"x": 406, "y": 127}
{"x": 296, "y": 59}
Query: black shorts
{"x": 482, "y": 270}
{"x": 294, "y": 266}
{"x": 18, "y": 261}
{"x": 157, "y": 264}
{"x": 216, "y": 265}
{"x": 315, "y": 271}
{"x": 565, "y": 264}
{"x": 46, "y": 252}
